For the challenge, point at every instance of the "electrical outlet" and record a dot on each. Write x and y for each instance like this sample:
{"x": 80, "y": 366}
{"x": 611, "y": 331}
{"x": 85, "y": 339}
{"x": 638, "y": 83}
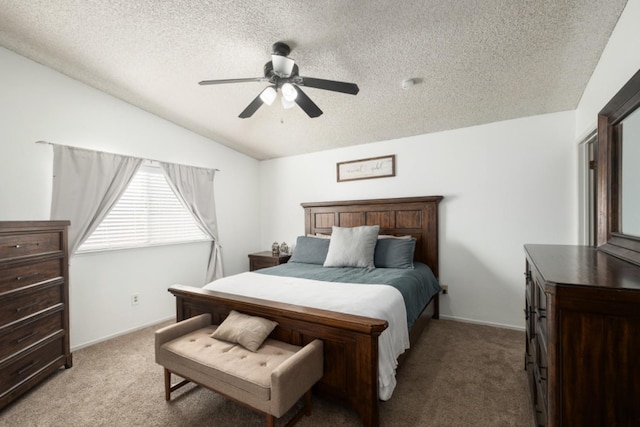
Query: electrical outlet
{"x": 135, "y": 299}
{"x": 445, "y": 289}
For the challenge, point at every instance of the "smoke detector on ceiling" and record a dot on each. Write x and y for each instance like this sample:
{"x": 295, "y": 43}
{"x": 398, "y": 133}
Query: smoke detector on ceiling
{"x": 408, "y": 83}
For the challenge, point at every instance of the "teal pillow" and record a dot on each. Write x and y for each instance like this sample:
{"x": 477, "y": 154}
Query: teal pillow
{"x": 310, "y": 250}
{"x": 394, "y": 253}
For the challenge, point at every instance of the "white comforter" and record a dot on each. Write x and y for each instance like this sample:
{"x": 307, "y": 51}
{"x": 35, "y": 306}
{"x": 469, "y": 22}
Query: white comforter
{"x": 377, "y": 301}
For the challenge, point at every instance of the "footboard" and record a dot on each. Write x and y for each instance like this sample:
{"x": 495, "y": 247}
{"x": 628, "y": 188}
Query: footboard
{"x": 350, "y": 341}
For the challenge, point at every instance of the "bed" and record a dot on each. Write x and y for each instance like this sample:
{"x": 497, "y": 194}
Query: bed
{"x": 351, "y": 341}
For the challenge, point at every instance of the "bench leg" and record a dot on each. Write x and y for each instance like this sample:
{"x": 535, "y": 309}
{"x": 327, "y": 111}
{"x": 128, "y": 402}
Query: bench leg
{"x": 305, "y": 410}
{"x": 271, "y": 420}
{"x": 167, "y": 384}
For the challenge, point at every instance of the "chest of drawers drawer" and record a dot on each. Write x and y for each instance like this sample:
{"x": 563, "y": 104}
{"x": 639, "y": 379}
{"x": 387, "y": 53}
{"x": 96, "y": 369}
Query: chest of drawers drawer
{"x": 18, "y": 305}
{"x": 29, "y": 364}
{"x": 25, "y": 274}
{"x": 29, "y": 332}
{"x": 22, "y": 244}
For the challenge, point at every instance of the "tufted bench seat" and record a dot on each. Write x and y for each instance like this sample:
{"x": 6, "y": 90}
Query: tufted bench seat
{"x": 270, "y": 380}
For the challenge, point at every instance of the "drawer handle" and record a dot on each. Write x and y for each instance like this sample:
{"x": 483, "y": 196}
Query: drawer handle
{"x": 26, "y": 245}
{"x": 24, "y": 307}
{"x": 26, "y": 367}
{"x": 28, "y": 276}
{"x": 527, "y": 362}
{"x": 540, "y": 377}
{"x": 26, "y": 337}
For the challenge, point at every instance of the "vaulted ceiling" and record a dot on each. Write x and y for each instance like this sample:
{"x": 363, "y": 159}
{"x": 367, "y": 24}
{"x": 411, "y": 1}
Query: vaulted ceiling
{"x": 473, "y": 61}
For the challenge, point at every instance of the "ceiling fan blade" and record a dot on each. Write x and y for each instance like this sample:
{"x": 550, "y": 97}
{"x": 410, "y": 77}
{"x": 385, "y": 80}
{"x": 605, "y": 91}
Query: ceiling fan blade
{"x": 307, "y": 104}
{"x": 251, "y": 108}
{"x": 217, "y": 82}
{"x": 350, "y": 88}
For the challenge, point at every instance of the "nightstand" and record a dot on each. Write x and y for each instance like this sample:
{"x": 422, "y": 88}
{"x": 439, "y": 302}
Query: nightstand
{"x": 265, "y": 259}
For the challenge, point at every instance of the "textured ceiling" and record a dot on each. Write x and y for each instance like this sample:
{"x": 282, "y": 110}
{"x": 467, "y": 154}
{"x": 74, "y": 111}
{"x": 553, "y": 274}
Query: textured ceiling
{"x": 475, "y": 61}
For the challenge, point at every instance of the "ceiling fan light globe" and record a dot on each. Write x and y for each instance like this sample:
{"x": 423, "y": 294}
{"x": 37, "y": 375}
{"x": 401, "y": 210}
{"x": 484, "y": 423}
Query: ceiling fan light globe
{"x": 282, "y": 65}
{"x": 289, "y": 92}
{"x": 287, "y": 104}
{"x": 268, "y": 95}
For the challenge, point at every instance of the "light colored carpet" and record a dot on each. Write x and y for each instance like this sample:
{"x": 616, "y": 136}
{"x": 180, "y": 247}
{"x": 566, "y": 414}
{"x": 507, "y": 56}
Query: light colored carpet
{"x": 458, "y": 374}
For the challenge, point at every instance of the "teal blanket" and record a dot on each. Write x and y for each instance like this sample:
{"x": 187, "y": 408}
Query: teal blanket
{"x": 417, "y": 285}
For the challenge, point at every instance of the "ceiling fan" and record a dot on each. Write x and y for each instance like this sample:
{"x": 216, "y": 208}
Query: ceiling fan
{"x": 282, "y": 74}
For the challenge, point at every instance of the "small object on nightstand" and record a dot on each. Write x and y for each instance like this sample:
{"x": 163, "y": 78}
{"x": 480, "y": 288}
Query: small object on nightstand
{"x": 275, "y": 249}
{"x": 266, "y": 259}
{"x": 284, "y": 249}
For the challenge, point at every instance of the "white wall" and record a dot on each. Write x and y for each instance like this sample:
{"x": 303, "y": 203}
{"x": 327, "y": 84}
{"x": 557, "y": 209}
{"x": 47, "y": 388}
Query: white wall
{"x": 38, "y": 103}
{"x": 504, "y": 184}
{"x": 619, "y": 61}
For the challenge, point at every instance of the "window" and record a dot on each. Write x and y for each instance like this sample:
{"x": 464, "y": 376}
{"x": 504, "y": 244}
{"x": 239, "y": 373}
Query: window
{"x": 148, "y": 213}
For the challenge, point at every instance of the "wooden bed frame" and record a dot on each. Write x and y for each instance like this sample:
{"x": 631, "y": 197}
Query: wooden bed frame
{"x": 350, "y": 341}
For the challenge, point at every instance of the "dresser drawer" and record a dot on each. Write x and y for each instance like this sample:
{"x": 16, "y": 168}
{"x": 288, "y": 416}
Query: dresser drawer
{"x": 24, "y": 275}
{"x": 21, "y": 304}
{"x": 266, "y": 259}
{"x": 541, "y": 370}
{"x": 541, "y": 416}
{"x": 540, "y": 310}
{"x": 21, "y": 369}
{"x": 18, "y": 245}
{"x": 29, "y": 332}
{"x": 257, "y": 264}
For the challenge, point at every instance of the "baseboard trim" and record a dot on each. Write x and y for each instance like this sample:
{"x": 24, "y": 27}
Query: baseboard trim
{"x": 117, "y": 334}
{"x": 479, "y": 322}
{"x": 155, "y": 322}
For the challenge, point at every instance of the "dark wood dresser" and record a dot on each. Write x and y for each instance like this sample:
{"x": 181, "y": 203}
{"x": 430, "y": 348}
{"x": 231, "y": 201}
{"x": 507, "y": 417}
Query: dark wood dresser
{"x": 266, "y": 259}
{"x": 34, "y": 304}
{"x": 582, "y": 336}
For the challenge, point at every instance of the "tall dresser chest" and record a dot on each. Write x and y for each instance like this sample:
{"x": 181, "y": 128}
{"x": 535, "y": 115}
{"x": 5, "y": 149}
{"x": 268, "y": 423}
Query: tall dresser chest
{"x": 582, "y": 336}
{"x": 34, "y": 304}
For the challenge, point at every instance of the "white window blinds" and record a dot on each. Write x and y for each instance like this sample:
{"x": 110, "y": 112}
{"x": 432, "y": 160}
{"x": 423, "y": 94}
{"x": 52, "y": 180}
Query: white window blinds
{"x": 147, "y": 214}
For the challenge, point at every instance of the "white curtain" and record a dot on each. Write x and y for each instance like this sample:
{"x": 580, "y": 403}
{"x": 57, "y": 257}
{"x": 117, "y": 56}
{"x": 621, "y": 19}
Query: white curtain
{"x": 86, "y": 185}
{"x": 195, "y": 187}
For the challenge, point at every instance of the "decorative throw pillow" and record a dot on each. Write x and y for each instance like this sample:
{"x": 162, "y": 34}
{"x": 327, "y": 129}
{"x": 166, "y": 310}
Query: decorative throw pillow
{"x": 394, "y": 253}
{"x": 352, "y": 246}
{"x": 310, "y": 250}
{"x": 248, "y": 331}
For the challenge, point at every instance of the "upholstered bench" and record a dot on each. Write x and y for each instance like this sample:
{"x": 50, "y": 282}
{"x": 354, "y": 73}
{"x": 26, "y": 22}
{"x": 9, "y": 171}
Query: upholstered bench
{"x": 270, "y": 380}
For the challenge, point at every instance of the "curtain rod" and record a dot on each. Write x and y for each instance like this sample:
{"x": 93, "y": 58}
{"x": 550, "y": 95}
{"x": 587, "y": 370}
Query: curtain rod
{"x": 105, "y": 152}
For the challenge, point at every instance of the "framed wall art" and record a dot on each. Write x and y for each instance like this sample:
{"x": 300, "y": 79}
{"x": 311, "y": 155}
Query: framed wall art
{"x": 374, "y": 167}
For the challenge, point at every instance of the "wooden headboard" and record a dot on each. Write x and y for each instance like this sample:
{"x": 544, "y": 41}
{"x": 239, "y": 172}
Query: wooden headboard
{"x": 415, "y": 216}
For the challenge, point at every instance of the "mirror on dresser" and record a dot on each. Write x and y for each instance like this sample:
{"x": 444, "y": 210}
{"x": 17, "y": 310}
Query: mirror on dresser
{"x": 618, "y": 174}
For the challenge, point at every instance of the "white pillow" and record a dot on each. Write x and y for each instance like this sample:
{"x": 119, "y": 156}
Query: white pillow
{"x": 352, "y": 246}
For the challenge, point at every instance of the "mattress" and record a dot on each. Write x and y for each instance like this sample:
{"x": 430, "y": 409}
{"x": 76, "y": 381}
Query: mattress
{"x": 395, "y": 295}
{"x": 417, "y": 285}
